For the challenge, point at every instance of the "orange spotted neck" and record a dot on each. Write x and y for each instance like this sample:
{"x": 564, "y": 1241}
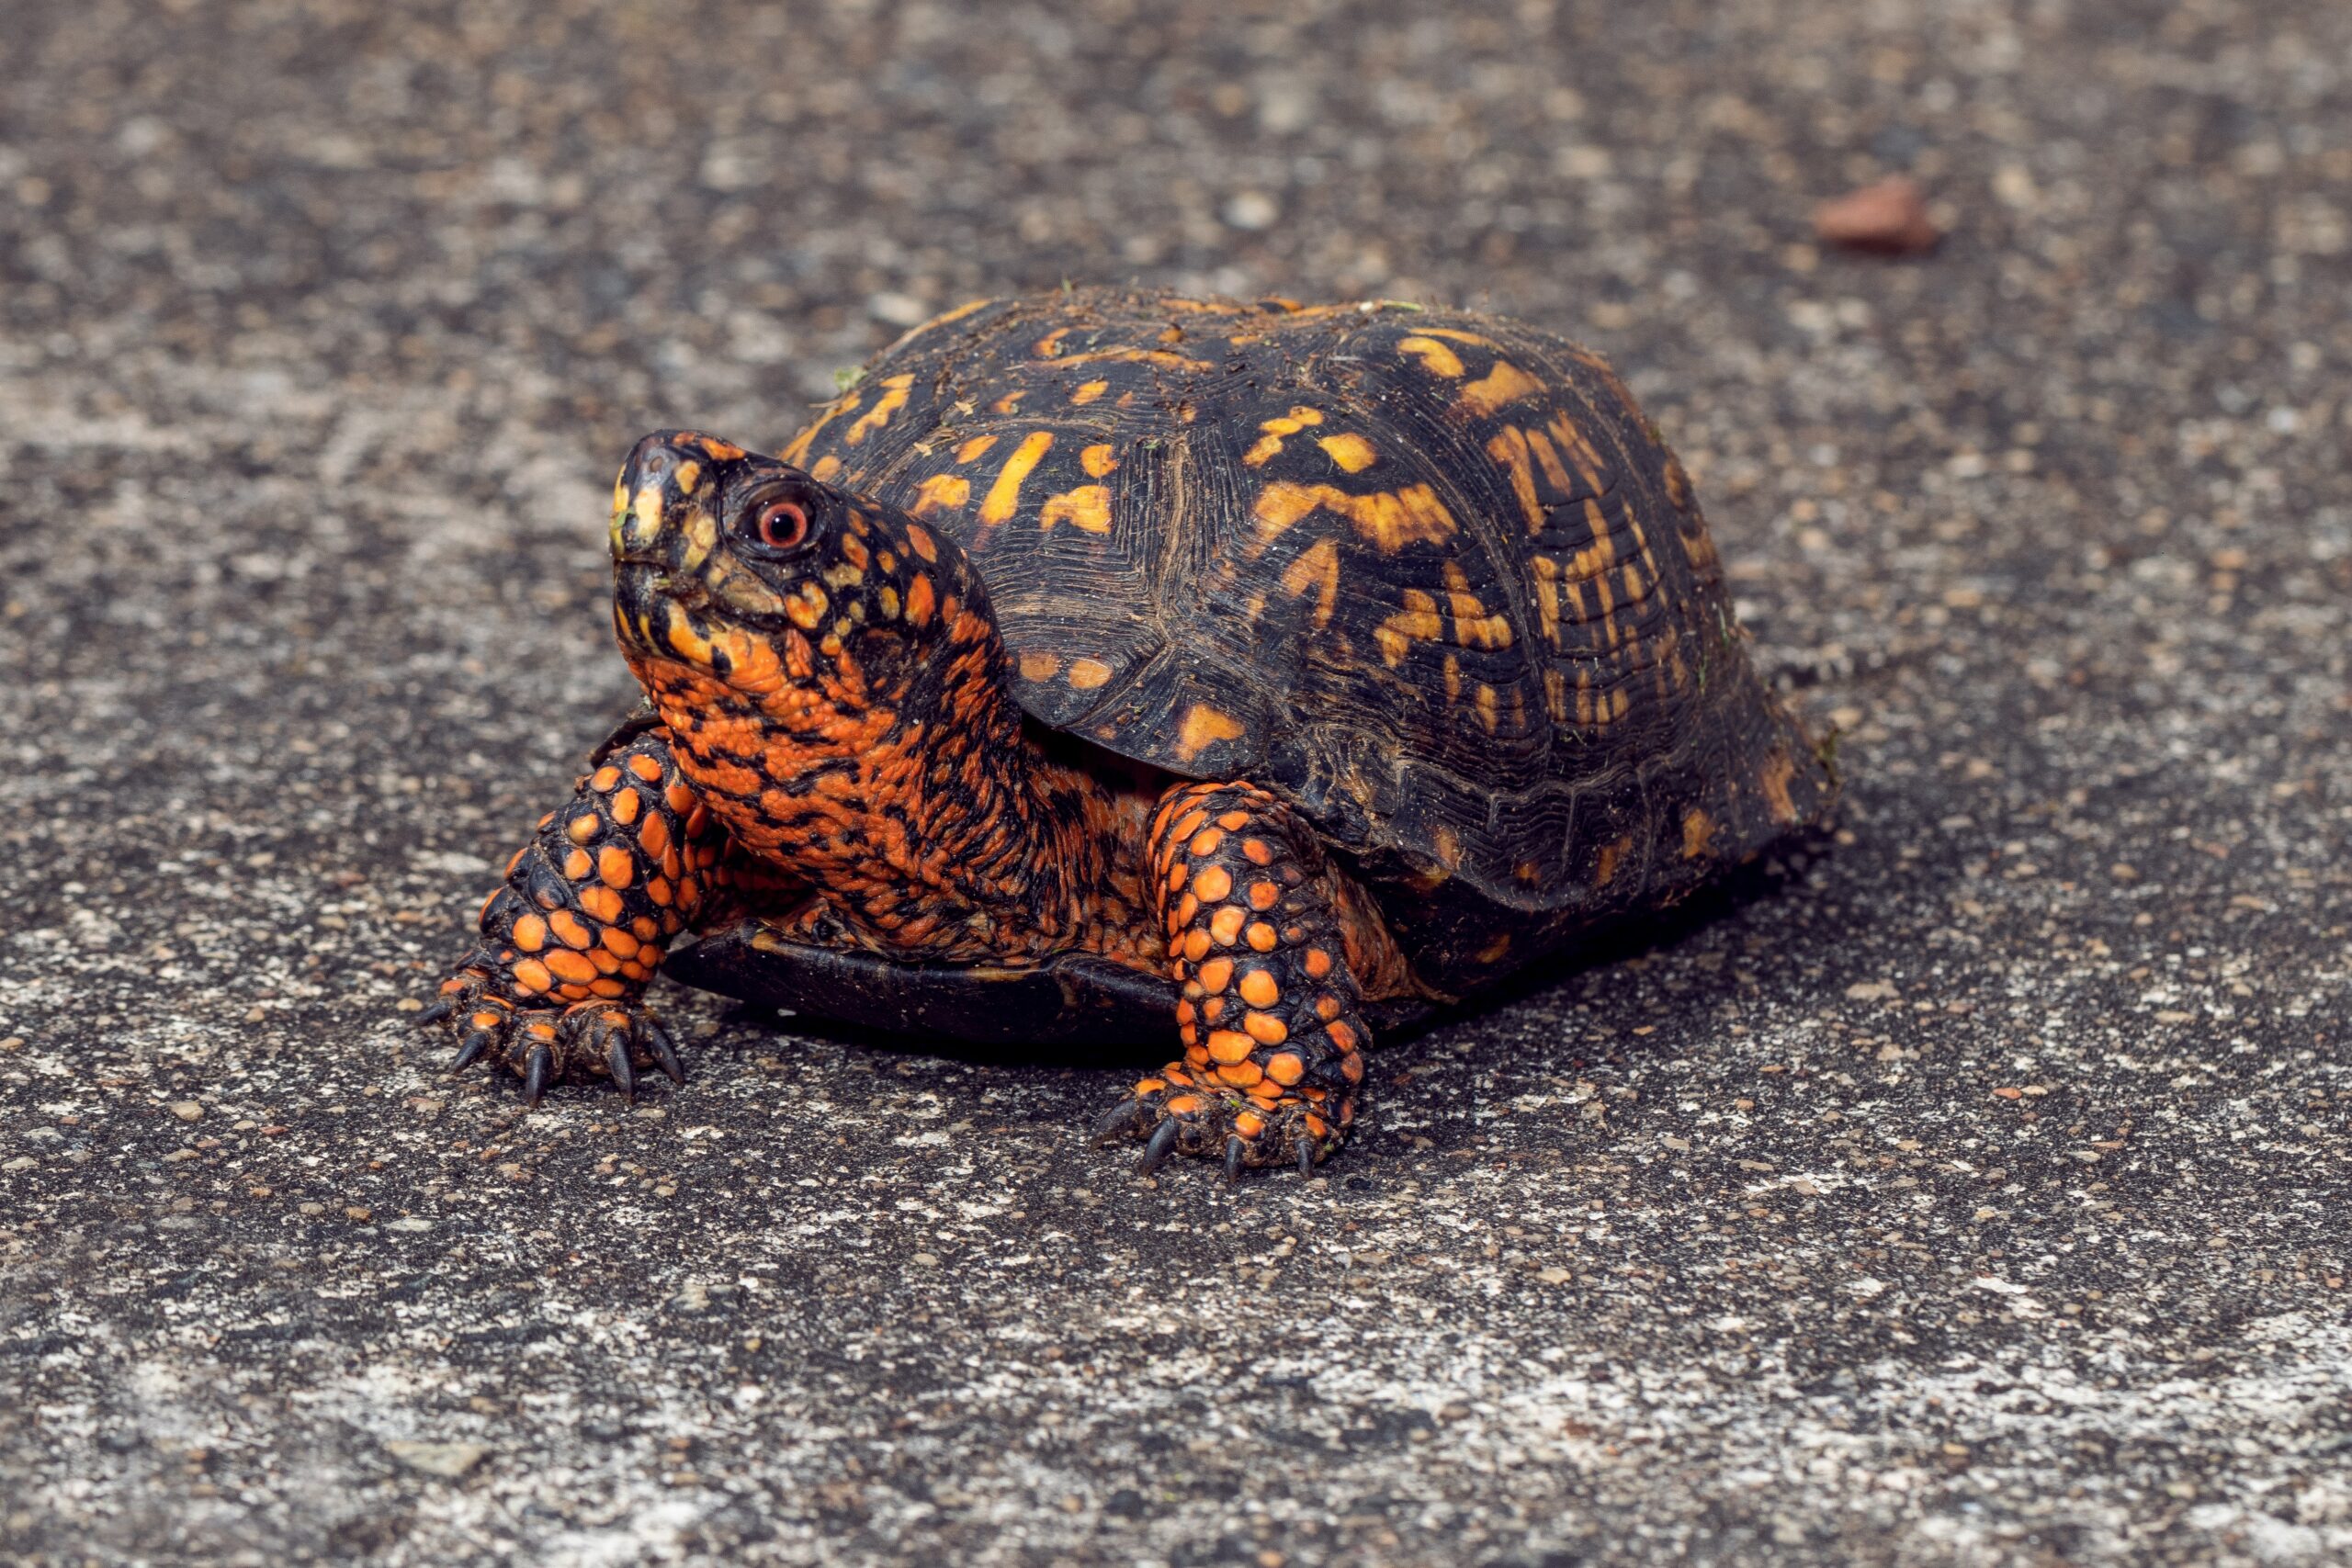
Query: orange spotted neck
{"x": 897, "y": 785}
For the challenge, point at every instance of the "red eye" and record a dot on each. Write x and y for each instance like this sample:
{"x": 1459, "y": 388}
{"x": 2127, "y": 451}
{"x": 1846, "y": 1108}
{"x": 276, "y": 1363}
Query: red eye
{"x": 782, "y": 524}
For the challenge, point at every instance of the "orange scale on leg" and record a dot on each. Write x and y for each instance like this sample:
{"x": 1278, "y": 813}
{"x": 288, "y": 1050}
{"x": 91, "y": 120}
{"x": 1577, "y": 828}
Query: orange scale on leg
{"x": 1216, "y": 973}
{"x": 1262, "y": 935}
{"x": 531, "y": 933}
{"x": 1287, "y": 1068}
{"x": 531, "y": 976}
{"x": 1229, "y": 1046}
{"x": 1197, "y": 1056}
{"x": 1265, "y": 1028}
{"x": 1257, "y": 852}
{"x": 1263, "y": 895}
{"x": 1196, "y": 944}
{"x": 1259, "y": 989}
{"x": 1206, "y": 841}
{"x": 1225, "y": 925}
{"x": 607, "y": 987}
{"x": 646, "y": 768}
{"x": 1351, "y": 1066}
{"x": 1241, "y": 1074}
{"x": 1212, "y": 884}
{"x": 1150, "y": 1086}
{"x": 1249, "y": 1123}
{"x": 1234, "y": 820}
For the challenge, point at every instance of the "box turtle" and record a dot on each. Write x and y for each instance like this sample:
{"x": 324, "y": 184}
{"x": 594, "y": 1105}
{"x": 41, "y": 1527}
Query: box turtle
{"x": 1112, "y": 665}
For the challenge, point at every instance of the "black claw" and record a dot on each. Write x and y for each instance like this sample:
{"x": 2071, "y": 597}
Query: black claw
{"x": 664, "y": 1049}
{"x": 624, "y": 1071}
{"x": 537, "y": 1070}
{"x": 1306, "y": 1161}
{"x": 434, "y": 1013}
{"x": 1121, "y": 1118}
{"x": 469, "y": 1050}
{"x": 1233, "y": 1147}
{"x": 1155, "y": 1152}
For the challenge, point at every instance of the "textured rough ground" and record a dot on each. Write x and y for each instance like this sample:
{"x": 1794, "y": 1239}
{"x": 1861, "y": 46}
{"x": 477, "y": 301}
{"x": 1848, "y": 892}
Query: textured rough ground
{"x": 1979, "y": 1198}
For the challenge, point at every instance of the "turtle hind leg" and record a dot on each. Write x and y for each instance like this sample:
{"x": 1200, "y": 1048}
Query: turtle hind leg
{"x": 1269, "y": 1006}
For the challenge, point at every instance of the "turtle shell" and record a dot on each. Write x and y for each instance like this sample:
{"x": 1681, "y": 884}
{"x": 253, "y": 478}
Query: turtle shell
{"x": 1427, "y": 575}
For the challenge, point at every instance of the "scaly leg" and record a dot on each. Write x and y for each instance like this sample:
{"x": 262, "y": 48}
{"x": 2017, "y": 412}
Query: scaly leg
{"x": 1258, "y": 938}
{"x": 589, "y": 905}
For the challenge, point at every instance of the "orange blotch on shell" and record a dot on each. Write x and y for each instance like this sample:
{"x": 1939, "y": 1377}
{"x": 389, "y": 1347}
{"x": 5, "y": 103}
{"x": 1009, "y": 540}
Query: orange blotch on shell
{"x": 1229, "y": 1046}
{"x": 570, "y": 965}
{"x": 1213, "y": 885}
{"x": 1259, "y": 988}
{"x": 1265, "y": 1028}
{"x": 1286, "y": 1069}
{"x": 567, "y": 925}
{"x": 531, "y": 976}
{"x": 1241, "y": 1075}
{"x": 1225, "y": 925}
{"x": 577, "y": 865}
{"x": 1206, "y": 841}
{"x": 1216, "y": 973}
{"x": 530, "y": 933}
{"x": 615, "y": 867}
{"x": 1262, "y": 935}
{"x": 605, "y": 778}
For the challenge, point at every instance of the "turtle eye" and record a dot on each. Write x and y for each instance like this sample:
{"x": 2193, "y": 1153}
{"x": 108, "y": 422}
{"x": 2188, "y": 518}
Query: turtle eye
{"x": 780, "y": 525}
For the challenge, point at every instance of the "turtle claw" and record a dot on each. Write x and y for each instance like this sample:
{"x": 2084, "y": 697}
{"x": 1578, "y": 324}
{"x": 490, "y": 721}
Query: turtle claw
{"x": 1121, "y": 1116}
{"x": 1306, "y": 1162}
{"x": 624, "y": 1071}
{"x": 536, "y": 1073}
{"x": 434, "y": 1013}
{"x": 1234, "y": 1149}
{"x": 664, "y": 1049}
{"x": 1156, "y": 1152}
{"x": 471, "y": 1049}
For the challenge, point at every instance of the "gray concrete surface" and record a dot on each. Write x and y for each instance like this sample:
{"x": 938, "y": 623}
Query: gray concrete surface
{"x": 1978, "y": 1197}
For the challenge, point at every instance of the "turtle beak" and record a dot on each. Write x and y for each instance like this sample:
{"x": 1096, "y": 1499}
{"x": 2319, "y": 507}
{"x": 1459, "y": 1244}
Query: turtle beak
{"x": 670, "y": 476}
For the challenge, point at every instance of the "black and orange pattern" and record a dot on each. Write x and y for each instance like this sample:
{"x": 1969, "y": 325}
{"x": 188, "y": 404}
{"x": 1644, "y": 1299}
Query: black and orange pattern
{"x": 1318, "y": 659}
{"x": 587, "y": 911}
{"x": 1267, "y": 945}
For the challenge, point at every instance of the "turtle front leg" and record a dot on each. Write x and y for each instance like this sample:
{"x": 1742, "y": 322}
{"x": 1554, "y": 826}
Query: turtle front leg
{"x": 588, "y": 910}
{"x": 1258, "y": 930}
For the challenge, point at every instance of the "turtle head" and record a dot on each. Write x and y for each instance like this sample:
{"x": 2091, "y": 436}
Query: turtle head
{"x": 753, "y": 572}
